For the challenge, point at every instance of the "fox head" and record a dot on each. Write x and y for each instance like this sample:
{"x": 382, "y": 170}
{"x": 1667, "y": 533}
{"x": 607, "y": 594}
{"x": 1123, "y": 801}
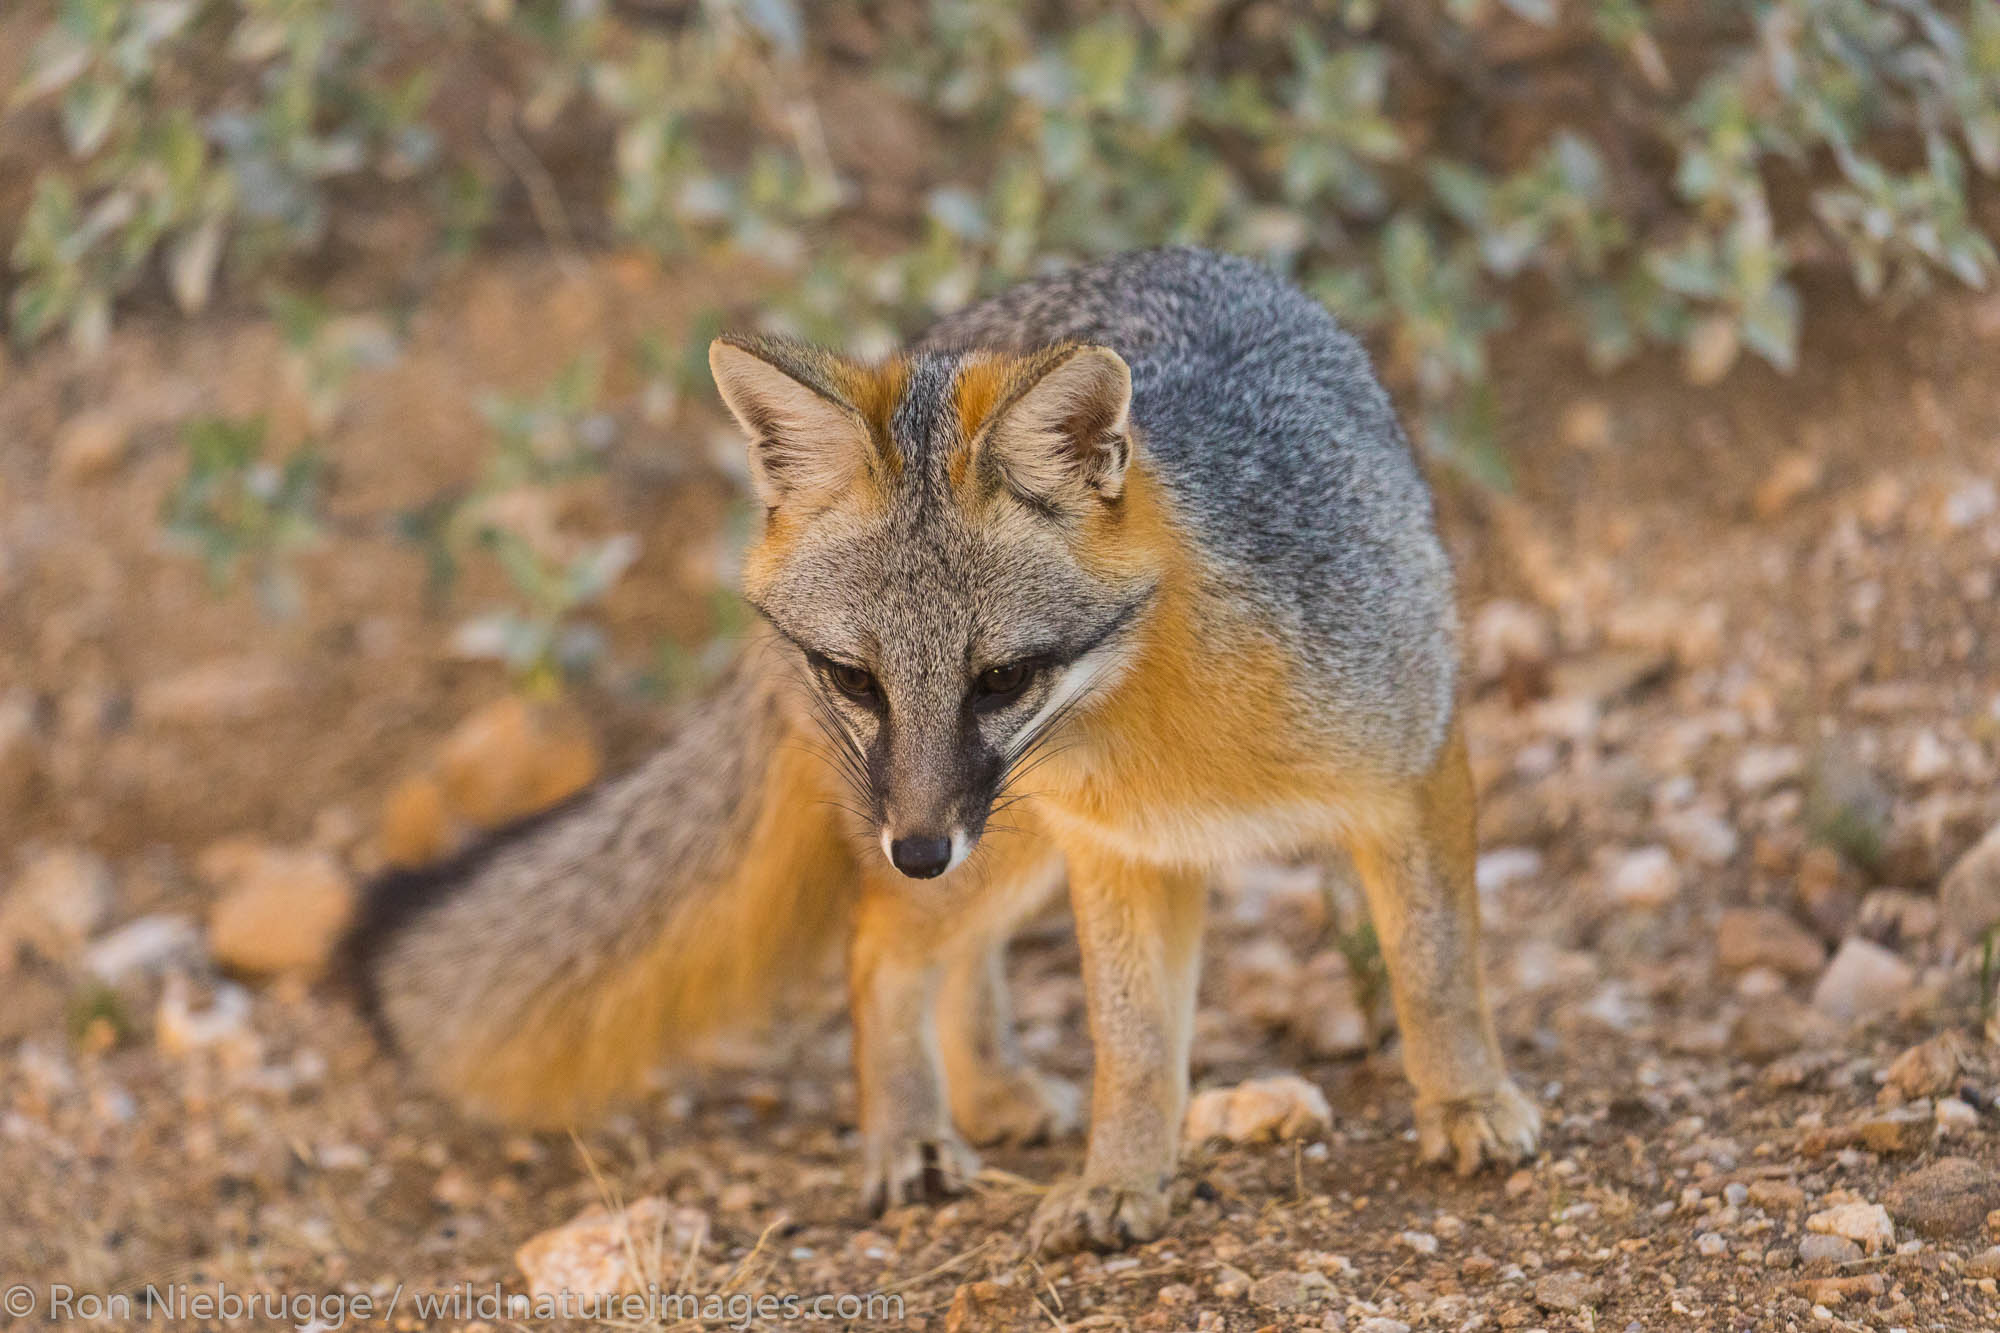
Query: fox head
{"x": 950, "y": 553}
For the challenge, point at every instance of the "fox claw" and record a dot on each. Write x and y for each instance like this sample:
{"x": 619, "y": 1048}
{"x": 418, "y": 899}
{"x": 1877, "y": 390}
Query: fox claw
{"x": 917, "y": 1171}
{"x": 1078, "y": 1214}
{"x": 1501, "y": 1127}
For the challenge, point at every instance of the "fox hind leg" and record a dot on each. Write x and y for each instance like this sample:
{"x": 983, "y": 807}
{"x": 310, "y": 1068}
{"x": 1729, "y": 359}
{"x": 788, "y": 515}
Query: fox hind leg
{"x": 996, "y": 1095}
{"x": 1416, "y": 871}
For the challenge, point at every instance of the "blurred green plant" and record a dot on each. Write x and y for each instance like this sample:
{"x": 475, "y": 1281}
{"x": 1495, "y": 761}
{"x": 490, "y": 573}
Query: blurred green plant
{"x": 1421, "y": 167}
{"x": 540, "y": 440}
{"x": 167, "y": 166}
{"x": 541, "y": 641}
{"x": 235, "y": 508}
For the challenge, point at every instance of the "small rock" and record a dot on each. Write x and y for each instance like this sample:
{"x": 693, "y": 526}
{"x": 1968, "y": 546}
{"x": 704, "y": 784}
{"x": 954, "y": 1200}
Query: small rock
{"x": 1760, "y": 983}
{"x": 1231, "y": 1283}
{"x": 1762, "y": 767}
{"x": 1882, "y": 501}
{"x": 1282, "y": 1107}
{"x": 1904, "y": 1129}
{"x": 1775, "y": 1196}
{"x": 1778, "y": 1026}
{"x": 1955, "y": 1118}
{"x": 1567, "y": 1290}
{"x": 1291, "y": 1291}
{"x": 1644, "y": 878}
{"x": 594, "y": 1253}
{"x": 1509, "y": 639}
{"x": 231, "y": 689}
{"x": 1666, "y": 627}
{"x": 1711, "y": 1245}
{"x": 455, "y": 1188}
{"x": 1819, "y": 1249}
{"x": 1420, "y": 1241}
{"x": 1766, "y": 937}
{"x": 1826, "y": 1292}
{"x": 1863, "y": 980}
{"x": 1894, "y": 916}
{"x": 1587, "y": 424}
{"x": 56, "y": 903}
{"x": 1701, "y": 835}
{"x": 1948, "y": 1198}
{"x": 1984, "y": 1264}
{"x": 1970, "y": 894}
{"x": 417, "y": 827}
{"x": 1926, "y": 1069}
{"x": 1970, "y": 503}
{"x": 224, "y": 1026}
{"x": 514, "y": 758}
{"x": 1793, "y": 475}
{"x": 1504, "y": 867}
{"x": 146, "y": 947}
{"x": 279, "y": 910}
{"x": 338, "y": 1156}
{"x": 1381, "y": 1324}
{"x": 1928, "y": 759}
{"x": 90, "y": 445}
{"x": 977, "y": 1306}
{"x": 1866, "y": 1224}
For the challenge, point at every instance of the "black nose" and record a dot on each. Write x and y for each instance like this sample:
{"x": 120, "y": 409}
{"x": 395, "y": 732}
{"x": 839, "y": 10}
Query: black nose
{"x": 920, "y": 858}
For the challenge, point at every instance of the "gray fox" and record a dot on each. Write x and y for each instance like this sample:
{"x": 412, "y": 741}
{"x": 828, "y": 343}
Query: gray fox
{"x": 1118, "y": 576}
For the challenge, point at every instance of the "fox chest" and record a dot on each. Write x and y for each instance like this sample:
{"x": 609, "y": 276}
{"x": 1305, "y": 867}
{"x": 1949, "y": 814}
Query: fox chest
{"x": 1201, "y": 791}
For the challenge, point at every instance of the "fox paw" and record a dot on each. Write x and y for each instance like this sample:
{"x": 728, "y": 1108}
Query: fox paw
{"x": 1021, "y": 1106}
{"x": 1078, "y": 1214}
{"x": 1501, "y": 1127}
{"x": 914, "y": 1170}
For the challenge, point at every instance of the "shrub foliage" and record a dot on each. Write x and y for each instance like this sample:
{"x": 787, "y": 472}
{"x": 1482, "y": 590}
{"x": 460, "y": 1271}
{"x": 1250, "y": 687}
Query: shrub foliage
{"x": 1661, "y": 173}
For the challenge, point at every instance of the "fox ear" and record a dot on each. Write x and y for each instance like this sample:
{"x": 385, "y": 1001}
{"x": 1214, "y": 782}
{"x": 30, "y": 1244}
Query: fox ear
{"x": 1067, "y": 435}
{"x": 804, "y": 439}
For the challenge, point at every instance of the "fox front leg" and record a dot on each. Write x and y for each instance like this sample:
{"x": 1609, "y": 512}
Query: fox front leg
{"x": 1139, "y": 930}
{"x": 1416, "y": 870}
{"x": 910, "y": 1152}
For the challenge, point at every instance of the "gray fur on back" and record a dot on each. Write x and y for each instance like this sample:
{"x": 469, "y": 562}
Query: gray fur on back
{"x": 1264, "y": 422}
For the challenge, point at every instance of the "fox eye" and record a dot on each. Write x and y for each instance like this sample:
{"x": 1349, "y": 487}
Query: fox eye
{"x": 999, "y": 684}
{"x": 851, "y": 681}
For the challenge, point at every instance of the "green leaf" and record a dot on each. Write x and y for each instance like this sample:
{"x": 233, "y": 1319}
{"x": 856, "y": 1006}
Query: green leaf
{"x": 1771, "y": 326}
{"x": 89, "y": 109}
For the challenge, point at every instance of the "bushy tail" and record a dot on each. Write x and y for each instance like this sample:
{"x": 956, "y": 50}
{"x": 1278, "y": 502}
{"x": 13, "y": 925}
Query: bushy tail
{"x": 539, "y": 975}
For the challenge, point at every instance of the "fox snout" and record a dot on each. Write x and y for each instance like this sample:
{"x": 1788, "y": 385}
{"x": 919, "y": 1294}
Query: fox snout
{"x": 931, "y": 820}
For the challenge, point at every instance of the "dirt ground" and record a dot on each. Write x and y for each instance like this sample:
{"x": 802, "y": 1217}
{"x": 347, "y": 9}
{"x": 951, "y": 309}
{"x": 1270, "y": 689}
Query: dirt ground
{"x": 1730, "y": 649}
